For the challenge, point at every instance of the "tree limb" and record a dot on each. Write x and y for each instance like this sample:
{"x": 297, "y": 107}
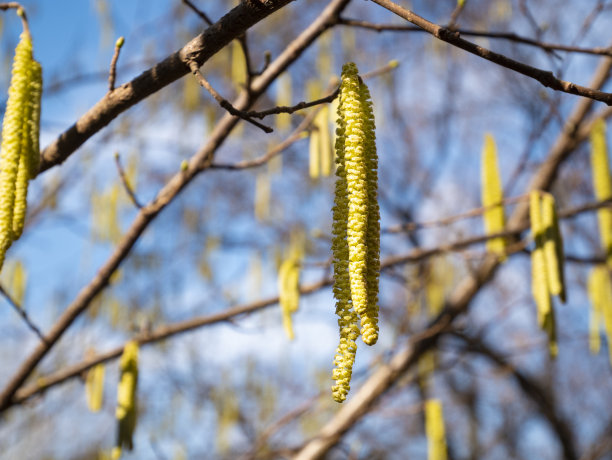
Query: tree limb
{"x": 546, "y": 78}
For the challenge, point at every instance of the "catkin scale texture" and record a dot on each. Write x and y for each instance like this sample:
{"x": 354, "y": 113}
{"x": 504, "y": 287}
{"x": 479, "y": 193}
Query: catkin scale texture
{"x": 13, "y": 141}
{"x": 356, "y": 227}
{"x": 19, "y": 155}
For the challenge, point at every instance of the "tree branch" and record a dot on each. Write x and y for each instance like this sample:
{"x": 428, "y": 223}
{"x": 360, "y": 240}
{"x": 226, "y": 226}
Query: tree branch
{"x": 195, "y": 69}
{"x": 531, "y": 389}
{"x": 546, "y": 78}
{"x": 510, "y": 36}
{"x": 175, "y": 66}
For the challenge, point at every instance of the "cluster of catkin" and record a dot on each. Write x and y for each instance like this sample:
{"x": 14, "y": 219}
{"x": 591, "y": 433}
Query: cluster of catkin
{"x": 20, "y": 146}
{"x": 547, "y": 277}
{"x": 356, "y": 226}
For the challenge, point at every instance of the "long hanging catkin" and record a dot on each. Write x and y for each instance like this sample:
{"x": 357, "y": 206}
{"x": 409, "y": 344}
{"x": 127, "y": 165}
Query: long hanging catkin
{"x": 492, "y": 197}
{"x": 20, "y": 148}
{"x": 356, "y": 227}
{"x": 127, "y": 407}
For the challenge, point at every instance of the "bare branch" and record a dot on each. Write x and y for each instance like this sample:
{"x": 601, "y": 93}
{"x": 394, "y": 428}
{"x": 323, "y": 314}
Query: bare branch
{"x": 112, "y": 74}
{"x": 175, "y": 66}
{"x": 126, "y": 185}
{"x": 21, "y": 312}
{"x": 510, "y": 36}
{"x": 199, "y": 12}
{"x": 21, "y": 12}
{"x": 546, "y": 78}
{"x": 222, "y": 101}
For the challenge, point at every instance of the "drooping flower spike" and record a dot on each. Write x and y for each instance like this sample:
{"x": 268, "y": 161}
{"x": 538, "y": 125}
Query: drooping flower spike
{"x": 19, "y": 154}
{"x": 356, "y": 227}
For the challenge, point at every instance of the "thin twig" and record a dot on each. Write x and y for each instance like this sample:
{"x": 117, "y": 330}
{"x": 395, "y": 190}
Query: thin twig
{"x": 510, "y": 36}
{"x": 195, "y": 69}
{"x": 412, "y": 226}
{"x": 455, "y": 15}
{"x": 199, "y": 12}
{"x": 126, "y": 185}
{"x": 21, "y": 12}
{"x": 112, "y": 74}
{"x": 21, "y": 312}
{"x": 546, "y": 78}
{"x": 263, "y": 159}
{"x": 529, "y": 387}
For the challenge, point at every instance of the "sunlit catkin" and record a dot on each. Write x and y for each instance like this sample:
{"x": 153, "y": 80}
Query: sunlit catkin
{"x": 434, "y": 429}
{"x": 492, "y": 196}
{"x": 126, "y": 398}
{"x": 356, "y": 226}
{"x": 289, "y": 292}
{"x": 553, "y": 247}
{"x": 19, "y": 149}
{"x": 539, "y": 273}
{"x": 370, "y": 329}
{"x": 600, "y": 295}
{"x": 602, "y": 184}
{"x": 94, "y": 387}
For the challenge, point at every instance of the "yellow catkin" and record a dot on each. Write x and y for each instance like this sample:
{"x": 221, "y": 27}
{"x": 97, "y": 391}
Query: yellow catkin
{"x": 553, "y": 247}
{"x": 283, "y": 98}
{"x": 370, "y": 328}
{"x": 596, "y": 287}
{"x": 434, "y": 430}
{"x": 539, "y": 273}
{"x": 602, "y": 185}
{"x": 492, "y": 195}
{"x": 289, "y": 292}
{"x": 327, "y": 153}
{"x": 357, "y": 186}
{"x": 94, "y": 387}
{"x": 600, "y": 294}
{"x": 347, "y": 318}
{"x": 262, "y": 196}
{"x": 19, "y": 128}
{"x": 314, "y": 152}
{"x": 356, "y": 228}
{"x": 126, "y": 397}
{"x": 239, "y": 69}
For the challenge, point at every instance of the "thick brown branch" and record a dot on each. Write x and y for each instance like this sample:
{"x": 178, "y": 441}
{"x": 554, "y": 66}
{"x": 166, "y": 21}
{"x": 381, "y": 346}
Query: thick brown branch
{"x": 200, "y": 49}
{"x": 199, "y": 12}
{"x": 546, "y": 78}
